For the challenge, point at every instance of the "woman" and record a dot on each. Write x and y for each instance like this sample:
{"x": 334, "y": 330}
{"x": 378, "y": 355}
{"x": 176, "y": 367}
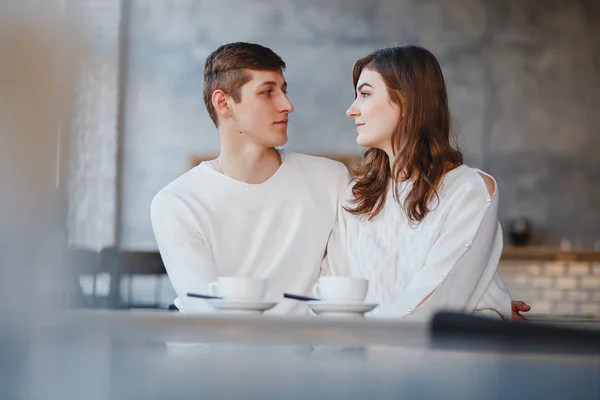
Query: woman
{"x": 416, "y": 222}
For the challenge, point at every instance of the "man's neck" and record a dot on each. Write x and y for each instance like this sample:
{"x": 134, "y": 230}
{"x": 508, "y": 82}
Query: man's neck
{"x": 247, "y": 162}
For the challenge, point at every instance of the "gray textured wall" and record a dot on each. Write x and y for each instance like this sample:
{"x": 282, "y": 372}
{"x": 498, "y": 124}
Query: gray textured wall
{"x": 523, "y": 78}
{"x": 93, "y": 148}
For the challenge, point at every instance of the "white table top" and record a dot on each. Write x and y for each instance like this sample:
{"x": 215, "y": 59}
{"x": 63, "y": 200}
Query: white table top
{"x": 123, "y": 354}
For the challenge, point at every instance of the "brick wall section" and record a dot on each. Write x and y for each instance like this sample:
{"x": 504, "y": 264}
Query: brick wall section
{"x": 554, "y": 287}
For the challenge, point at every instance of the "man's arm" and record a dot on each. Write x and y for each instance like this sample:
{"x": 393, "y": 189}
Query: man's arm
{"x": 334, "y": 261}
{"x": 183, "y": 251}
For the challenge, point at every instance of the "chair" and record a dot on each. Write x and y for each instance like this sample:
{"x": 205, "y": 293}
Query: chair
{"x": 82, "y": 261}
{"x": 139, "y": 263}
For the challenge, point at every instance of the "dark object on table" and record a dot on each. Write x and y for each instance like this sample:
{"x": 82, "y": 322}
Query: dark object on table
{"x": 468, "y": 332}
{"x": 520, "y": 232}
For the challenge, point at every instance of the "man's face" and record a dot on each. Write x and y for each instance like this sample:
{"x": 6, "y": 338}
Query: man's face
{"x": 262, "y": 113}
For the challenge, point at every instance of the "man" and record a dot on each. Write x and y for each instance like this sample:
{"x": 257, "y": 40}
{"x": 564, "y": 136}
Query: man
{"x": 255, "y": 210}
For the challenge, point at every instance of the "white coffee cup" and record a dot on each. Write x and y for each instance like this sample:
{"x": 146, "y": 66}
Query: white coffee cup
{"x": 238, "y": 288}
{"x": 340, "y": 288}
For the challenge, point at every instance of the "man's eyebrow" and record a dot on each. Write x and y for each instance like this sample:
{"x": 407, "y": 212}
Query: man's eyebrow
{"x": 273, "y": 83}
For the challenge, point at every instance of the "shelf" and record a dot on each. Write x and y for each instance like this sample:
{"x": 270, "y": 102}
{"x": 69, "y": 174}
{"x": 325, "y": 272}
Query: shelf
{"x": 548, "y": 253}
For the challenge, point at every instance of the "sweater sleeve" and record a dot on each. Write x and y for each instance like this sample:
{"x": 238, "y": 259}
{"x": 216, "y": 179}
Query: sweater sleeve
{"x": 187, "y": 260}
{"x": 458, "y": 267}
{"x": 335, "y": 262}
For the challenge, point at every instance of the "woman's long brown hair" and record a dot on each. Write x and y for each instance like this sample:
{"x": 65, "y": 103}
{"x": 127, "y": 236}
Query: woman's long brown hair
{"x": 421, "y": 143}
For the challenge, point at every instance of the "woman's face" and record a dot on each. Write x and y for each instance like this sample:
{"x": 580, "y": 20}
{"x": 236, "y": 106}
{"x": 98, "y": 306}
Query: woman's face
{"x": 375, "y": 114}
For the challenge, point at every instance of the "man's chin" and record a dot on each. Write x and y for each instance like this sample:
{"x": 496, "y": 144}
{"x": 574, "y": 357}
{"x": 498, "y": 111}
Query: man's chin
{"x": 278, "y": 140}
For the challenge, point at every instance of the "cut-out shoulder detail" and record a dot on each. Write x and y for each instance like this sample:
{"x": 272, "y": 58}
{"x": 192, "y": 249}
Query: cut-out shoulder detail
{"x": 489, "y": 183}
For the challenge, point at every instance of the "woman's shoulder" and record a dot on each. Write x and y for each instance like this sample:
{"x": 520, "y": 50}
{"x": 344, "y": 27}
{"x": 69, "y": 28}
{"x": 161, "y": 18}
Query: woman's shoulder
{"x": 469, "y": 182}
{"x": 464, "y": 184}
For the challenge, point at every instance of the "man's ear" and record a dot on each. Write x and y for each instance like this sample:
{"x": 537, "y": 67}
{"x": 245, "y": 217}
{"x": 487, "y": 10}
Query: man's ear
{"x": 220, "y": 101}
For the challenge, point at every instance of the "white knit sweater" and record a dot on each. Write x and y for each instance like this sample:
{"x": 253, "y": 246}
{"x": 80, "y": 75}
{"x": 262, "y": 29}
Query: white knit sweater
{"x": 207, "y": 225}
{"x": 454, "y": 251}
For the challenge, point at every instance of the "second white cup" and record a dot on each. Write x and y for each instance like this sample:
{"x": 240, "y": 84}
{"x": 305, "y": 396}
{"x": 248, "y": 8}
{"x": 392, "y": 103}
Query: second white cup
{"x": 341, "y": 288}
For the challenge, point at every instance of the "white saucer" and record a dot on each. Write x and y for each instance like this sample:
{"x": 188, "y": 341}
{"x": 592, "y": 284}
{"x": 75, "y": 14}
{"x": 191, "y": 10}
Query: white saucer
{"x": 339, "y": 308}
{"x": 241, "y": 306}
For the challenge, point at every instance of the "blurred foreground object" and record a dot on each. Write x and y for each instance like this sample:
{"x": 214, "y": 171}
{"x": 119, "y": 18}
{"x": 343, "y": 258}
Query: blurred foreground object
{"x": 36, "y": 82}
{"x": 37, "y": 54}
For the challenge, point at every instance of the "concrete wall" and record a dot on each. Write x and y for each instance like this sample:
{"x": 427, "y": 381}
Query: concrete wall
{"x": 93, "y": 149}
{"x": 523, "y": 78}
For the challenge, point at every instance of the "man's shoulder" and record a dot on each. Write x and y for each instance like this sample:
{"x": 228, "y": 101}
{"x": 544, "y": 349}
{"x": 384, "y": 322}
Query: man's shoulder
{"x": 186, "y": 185}
{"x": 317, "y": 164}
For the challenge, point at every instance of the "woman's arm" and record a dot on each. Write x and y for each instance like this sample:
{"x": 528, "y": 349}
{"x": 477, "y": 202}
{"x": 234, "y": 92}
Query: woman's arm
{"x": 462, "y": 261}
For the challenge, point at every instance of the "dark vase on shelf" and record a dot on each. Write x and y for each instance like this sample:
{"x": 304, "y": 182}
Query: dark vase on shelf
{"x": 520, "y": 232}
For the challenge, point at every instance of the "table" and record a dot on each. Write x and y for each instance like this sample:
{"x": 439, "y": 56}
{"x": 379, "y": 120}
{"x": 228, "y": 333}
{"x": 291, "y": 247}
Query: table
{"x": 122, "y": 354}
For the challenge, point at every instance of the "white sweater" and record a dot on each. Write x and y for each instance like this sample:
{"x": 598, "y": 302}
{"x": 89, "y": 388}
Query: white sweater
{"x": 207, "y": 225}
{"x": 454, "y": 251}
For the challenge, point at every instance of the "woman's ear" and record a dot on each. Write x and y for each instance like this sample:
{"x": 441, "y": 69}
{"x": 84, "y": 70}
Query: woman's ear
{"x": 403, "y": 107}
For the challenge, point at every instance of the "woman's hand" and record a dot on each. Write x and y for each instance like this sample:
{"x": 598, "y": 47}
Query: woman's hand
{"x": 517, "y": 308}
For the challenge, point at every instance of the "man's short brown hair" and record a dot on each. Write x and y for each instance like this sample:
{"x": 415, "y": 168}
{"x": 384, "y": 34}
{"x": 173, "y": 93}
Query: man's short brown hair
{"x": 227, "y": 67}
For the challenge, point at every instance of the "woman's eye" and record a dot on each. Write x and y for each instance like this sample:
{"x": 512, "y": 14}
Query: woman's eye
{"x": 364, "y": 94}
